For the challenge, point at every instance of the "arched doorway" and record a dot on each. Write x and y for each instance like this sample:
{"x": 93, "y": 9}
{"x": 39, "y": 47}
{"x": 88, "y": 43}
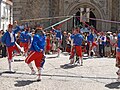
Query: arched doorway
{"x": 77, "y": 21}
{"x": 95, "y": 12}
{"x": 80, "y": 24}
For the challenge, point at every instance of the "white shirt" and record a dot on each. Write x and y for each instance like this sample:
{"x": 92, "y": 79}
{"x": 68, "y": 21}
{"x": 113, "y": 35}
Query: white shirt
{"x": 12, "y": 37}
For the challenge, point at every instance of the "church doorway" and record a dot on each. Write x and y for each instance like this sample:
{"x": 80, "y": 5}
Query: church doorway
{"x": 77, "y": 22}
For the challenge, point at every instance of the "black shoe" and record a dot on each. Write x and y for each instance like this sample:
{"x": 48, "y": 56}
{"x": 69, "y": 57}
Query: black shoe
{"x": 38, "y": 80}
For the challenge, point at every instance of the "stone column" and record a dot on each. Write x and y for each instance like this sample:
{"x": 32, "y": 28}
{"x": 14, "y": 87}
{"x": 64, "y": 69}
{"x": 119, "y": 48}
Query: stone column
{"x": 118, "y": 25}
{"x": 115, "y": 4}
{"x": 108, "y": 14}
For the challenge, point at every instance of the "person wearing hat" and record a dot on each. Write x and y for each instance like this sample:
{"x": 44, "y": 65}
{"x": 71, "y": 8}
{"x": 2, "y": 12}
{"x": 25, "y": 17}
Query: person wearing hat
{"x": 25, "y": 40}
{"x": 9, "y": 40}
{"x": 37, "y": 52}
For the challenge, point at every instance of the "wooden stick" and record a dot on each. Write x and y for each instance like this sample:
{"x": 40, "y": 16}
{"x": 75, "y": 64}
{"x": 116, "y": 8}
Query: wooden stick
{"x": 38, "y": 19}
{"x": 59, "y": 23}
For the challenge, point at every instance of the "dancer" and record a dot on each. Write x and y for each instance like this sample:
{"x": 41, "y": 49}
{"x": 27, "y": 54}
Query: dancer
{"x": 9, "y": 40}
{"x": 25, "y": 40}
{"x": 90, "y": 43}
{"x": 78, "y": 38}
{"x": 118, "y": 58}
{"x": 37, "y": 52}
{"x": 77, "y": 49}
{"x": 58, "y": 38}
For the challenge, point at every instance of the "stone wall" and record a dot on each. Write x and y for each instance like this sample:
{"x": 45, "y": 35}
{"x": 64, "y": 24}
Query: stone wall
{"x": 104, "y": 9}
{"x": 28, "y": 9}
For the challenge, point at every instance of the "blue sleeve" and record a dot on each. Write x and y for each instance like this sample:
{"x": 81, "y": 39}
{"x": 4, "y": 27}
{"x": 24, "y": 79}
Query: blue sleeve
{"x": 21, "y": 36}
{"x": 4, "y": 38}
{"x": 43, "y": 43}
{"x": 35, "y": 45}
{"x": 16, "y": 30}
{"x": 91, "y": 37}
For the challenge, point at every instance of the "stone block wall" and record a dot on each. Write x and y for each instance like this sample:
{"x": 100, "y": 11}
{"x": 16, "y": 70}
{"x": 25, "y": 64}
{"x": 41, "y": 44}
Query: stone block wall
{"x": 29, "y": 9}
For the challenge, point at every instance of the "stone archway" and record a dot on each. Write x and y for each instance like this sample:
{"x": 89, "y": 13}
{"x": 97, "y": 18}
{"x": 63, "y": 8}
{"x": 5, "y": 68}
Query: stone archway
{"x": 74, "y": 8}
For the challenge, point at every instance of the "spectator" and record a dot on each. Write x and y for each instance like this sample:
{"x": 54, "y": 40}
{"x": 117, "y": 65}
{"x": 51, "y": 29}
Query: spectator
{"x": 102, "y": 44}
{"x": 2, "y": 46}
{"x": 64, "y": 41}
{"x": 108, "y": 47}
{"x": 113, "y": 42}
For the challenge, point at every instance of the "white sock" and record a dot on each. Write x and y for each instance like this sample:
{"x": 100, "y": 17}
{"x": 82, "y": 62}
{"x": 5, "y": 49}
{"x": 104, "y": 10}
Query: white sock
{"x": 39, "y": 71}
{"x": 10, "y": 66}
{"x": 118, "y": 71}
{"x": 81, "y": 60}
{"x": 30, "y": 66}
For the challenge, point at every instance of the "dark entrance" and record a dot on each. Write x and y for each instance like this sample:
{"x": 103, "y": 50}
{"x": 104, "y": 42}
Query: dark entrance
{"x": 77, "y": 22}
{"x": 92, "y": 22}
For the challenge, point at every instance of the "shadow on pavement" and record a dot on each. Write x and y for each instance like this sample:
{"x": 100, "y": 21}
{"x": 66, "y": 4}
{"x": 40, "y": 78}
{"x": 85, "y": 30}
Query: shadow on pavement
{"x": 52, "y": 57}
{"x": 0, "y": 74}
{"x": 111, "y": 85}
{"x": 18, "y": 60}
{"x": 114, "y": 85}
{"x": 9, "y": 72}
{"x": 76, "y": 76}
{"x": 23, "y": 83}
{"x": 68, "y": 66}
{"x": 65, "y": 53}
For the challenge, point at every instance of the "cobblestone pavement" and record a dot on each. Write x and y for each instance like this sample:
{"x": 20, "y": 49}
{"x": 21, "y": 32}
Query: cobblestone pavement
{"x": 95, "y": 74}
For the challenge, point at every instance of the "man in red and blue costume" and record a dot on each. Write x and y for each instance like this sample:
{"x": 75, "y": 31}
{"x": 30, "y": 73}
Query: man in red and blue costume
{"x": 91, "y": 42}
{"x": 77, "y": 45}
{"x": 118, "y": 57}
{"x": 9, "y": 40}
{"x": 58, "y": 38}
{"x": 25, "y": 40}
{"x": 37, "y": 52}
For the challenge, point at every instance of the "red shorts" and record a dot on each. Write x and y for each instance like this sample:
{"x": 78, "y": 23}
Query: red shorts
{"x": 36, "y": 56}
{"x": 78, "y": 51}
{"x": 25, "y": 46}
{"x": 72, "y": 53}
{"x": 10, "y": 51}
{"x": 118, "y": 59}
{"x": 94, "y": 44}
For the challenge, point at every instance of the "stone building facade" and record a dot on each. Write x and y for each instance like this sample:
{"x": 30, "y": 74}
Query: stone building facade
{"x": 100, "y": 9}
{"x": 5, "y": 13}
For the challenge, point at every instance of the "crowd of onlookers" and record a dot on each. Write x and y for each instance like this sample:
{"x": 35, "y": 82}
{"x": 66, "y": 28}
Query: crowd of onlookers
{"x": 104, "y": 43}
